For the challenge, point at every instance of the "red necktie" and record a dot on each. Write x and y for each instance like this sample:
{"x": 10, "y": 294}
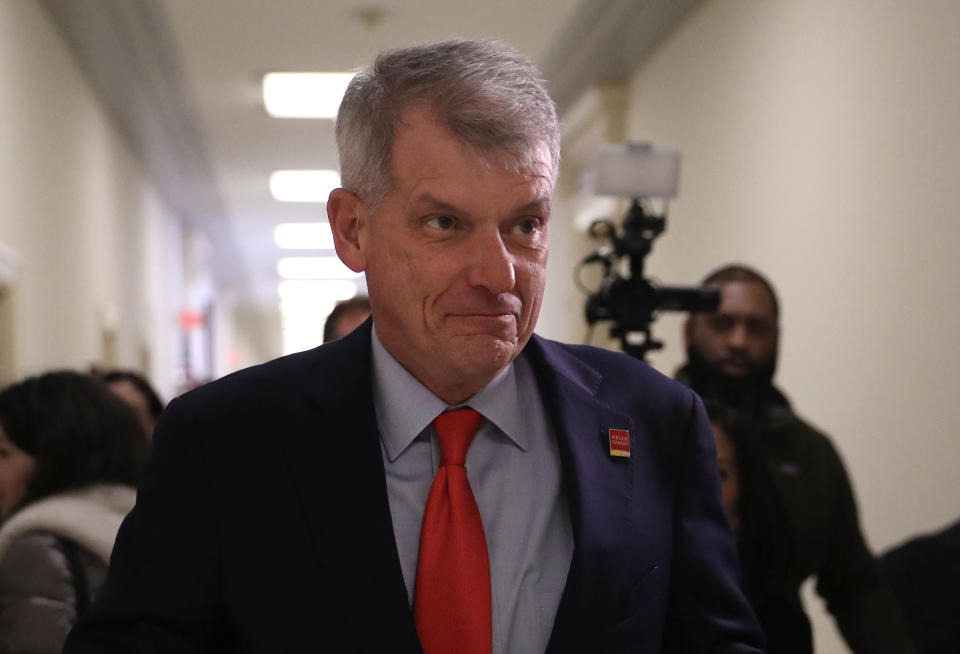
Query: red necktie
{"x": 451, "y": 601}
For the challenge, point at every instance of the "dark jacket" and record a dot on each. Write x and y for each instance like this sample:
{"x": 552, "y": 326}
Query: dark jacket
{"x": 263, "y": 523}
{"x": 825, "y": 537}
{"x": 924, "y": 573}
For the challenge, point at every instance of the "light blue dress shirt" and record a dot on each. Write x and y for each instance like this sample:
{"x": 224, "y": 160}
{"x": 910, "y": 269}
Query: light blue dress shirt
{"x": 513, "y": 466}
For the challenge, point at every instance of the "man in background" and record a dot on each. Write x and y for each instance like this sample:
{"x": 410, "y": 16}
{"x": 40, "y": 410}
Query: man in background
{"x": 345, "y": 317}
{"x": 732, "y": 356}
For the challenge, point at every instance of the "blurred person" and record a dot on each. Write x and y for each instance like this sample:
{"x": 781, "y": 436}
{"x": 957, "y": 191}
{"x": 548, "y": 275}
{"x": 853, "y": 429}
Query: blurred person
{"x": 924, "y": 573}
{"x": 440, "y": 479}
{"x": 134, "y": 389}
{"x": 345, "y": 317}
{"x": 761, "y": 528}
{"x": 731, "y": 358}
{"x": 70, "y": 455}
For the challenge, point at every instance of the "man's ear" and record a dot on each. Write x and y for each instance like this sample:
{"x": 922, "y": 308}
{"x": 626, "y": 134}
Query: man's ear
{"x": 347, "y": 215}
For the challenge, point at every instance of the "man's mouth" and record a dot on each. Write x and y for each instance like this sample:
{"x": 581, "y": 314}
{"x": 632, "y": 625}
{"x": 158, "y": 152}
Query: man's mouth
{"x": 487, "y": 323}
{"x": 493, "y": 317}
{"x": 735, "y": 366}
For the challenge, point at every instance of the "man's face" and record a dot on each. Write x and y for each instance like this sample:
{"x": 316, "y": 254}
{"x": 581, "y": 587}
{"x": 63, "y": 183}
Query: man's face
{"x": 741, "y": 337}
{"x": 455, "y": 257}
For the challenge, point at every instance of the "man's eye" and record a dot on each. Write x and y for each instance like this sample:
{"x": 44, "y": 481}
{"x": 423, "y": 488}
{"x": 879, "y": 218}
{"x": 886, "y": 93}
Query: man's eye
{"x": 759, "y": 327}
{"x": 442, "y": 223}
{"x": 527, "y": 226}
{"x": 720, "y": 322}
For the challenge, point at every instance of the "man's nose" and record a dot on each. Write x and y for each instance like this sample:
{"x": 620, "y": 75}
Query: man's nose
{"x": 492, "y": 267}
{"x": 737, "y": 337}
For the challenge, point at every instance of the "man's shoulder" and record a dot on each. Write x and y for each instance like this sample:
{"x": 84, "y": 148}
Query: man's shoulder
{"x": 793, "y": 437}
{"x": 603, "y": 361}
{"x": 242, "y": 410}
{"x": 282, "y": 370}
{"x": 320, "y": 370}
{"x": 783, "y": 419}
{"x": 608, "y": 373}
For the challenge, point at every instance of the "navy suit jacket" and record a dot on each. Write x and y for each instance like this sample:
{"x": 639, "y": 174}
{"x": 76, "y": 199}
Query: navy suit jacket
{"x": 262, "y": 522}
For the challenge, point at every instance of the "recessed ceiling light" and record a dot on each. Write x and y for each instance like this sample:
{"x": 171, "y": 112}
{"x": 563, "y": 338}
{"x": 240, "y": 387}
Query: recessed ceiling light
{"x": 314, "y": 268}
{"x": 303, "y": 236}
{"x": 303, "y": 185}
{"x": 304, "y": 95}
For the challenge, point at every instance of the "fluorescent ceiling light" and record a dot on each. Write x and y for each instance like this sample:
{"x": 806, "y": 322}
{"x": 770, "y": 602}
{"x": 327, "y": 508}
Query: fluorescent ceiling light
{"x": 304, "y": 95}
{"x": 314, "y": 268}
{"x": 303, "y": 236}
{"x": 303, "y": 185}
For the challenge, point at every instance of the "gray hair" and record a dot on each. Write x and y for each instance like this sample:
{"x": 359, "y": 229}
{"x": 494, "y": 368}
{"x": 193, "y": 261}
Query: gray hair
{"x": 484, "y": 92}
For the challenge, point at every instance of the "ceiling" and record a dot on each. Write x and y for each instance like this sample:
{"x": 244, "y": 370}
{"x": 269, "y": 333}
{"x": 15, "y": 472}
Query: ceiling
{"x": 182, "y": 78}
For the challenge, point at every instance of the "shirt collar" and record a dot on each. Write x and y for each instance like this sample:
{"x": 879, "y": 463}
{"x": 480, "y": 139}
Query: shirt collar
{"x": 405, "y": 407}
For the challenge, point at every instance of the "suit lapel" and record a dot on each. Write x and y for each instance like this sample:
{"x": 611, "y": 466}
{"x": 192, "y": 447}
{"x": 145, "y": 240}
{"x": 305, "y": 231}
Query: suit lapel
{"x": 599, "y": 490}
{"x": 339, "y": 474}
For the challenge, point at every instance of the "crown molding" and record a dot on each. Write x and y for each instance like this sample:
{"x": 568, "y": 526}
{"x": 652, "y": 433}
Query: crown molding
{"x": 605, "y": 41}
{"x": 128, "y": 52}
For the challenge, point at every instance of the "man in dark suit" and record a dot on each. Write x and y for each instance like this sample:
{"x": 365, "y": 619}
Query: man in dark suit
{"x": 441, "y": 479}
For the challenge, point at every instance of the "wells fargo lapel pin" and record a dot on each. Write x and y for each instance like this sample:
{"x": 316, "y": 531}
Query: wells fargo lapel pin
{"x": 619, "y": 442}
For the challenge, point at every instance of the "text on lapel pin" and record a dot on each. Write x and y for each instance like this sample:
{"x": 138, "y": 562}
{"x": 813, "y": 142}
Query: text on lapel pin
{"x": 619, "y": 442}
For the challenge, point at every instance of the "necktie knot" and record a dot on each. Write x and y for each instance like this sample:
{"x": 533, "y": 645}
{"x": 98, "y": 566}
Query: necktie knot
{"x": 455, "y": 431}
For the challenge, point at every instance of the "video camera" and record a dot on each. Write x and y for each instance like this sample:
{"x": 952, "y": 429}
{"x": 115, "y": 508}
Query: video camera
{"x": 643, "y": 172}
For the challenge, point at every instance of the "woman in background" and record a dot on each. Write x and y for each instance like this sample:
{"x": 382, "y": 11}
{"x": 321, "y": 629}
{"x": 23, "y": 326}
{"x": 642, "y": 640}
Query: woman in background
{"x": 70, "y": 456}
{"x": 763, "y": 533}
{"x": 135, "y": 390}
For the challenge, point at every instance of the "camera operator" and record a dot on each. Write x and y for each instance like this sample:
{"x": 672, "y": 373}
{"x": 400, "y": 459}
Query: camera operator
{"x": 732, "y": 356}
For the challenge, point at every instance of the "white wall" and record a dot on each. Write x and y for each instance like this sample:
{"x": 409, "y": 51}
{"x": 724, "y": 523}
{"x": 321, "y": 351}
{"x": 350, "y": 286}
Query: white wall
{"x": 77, "y": 207}
{"x": 820, "y": 144}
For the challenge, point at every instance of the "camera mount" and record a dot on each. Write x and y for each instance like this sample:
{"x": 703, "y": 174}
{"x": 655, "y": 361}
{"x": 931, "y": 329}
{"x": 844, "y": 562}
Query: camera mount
{"x": 625, "y": 297}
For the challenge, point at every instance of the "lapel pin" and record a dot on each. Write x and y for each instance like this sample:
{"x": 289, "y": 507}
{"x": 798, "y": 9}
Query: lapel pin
{"x": 619, "y": 442}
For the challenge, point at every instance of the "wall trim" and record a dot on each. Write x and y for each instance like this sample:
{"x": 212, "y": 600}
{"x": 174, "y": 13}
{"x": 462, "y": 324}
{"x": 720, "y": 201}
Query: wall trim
{"x": 605, "y": 41}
